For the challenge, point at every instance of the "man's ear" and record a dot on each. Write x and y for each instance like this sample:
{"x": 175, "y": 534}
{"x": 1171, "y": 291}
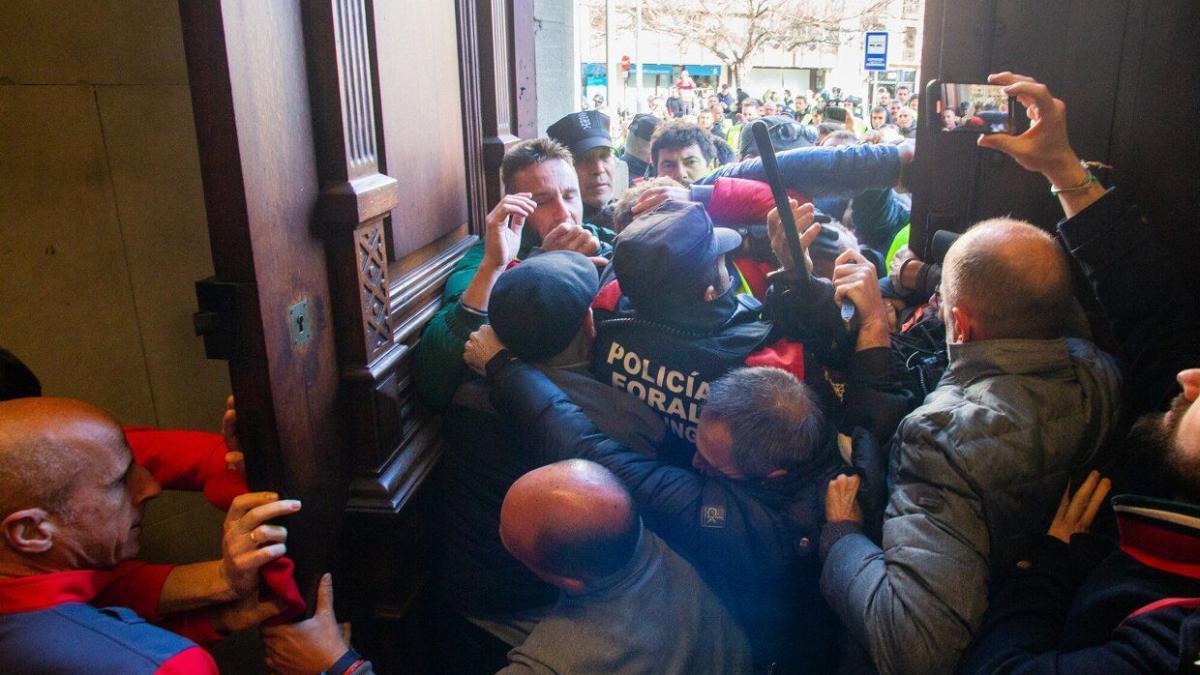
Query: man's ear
{"x": 28, "y": 531}
{"x": 710, "y": 294}
{"x": 964, "y": 326}
{"x": 589, "y": 324}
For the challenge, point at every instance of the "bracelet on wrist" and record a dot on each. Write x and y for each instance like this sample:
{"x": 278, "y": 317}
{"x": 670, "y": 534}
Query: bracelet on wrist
{"x": 1087, "y": 181}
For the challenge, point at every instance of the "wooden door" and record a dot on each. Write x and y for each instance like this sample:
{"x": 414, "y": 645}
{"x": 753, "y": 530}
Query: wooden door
{"x": 1128, "y": 70}
{"x": 344, "y": 155}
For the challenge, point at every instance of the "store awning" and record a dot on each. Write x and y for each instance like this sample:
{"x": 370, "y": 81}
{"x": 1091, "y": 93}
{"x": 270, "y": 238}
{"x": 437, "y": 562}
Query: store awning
{"x": 703, "y": 71}
{"x": 600, "y": 70}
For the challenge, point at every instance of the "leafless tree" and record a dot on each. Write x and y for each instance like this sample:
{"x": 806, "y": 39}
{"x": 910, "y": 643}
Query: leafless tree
{"x": 735, "y": 29}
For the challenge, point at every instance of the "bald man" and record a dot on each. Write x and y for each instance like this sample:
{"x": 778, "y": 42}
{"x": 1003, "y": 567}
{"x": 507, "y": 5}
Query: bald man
{"x": 628, "y": 603}
{"x": 979, "y": 468}
{"x": 71, "y": 509}
{"x": 1133, "y": 612}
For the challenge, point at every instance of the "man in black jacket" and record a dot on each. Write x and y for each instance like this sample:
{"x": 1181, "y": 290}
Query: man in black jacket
{"x": 1137, "y": 610}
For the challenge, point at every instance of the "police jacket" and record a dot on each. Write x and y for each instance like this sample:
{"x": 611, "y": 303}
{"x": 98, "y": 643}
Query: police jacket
{"x": 670, "y": 358}
{"x": 753, "y": 542}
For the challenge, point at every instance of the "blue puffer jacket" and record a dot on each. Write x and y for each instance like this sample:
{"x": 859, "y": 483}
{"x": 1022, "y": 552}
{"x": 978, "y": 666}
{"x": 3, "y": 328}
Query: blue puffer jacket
{"x": 823, "y": 171}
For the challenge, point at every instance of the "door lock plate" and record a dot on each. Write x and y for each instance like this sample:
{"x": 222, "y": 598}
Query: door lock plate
{"x": 299, "y": 324}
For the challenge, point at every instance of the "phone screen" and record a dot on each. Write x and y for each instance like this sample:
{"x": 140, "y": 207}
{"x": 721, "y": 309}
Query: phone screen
{"x": 975, "y": 109}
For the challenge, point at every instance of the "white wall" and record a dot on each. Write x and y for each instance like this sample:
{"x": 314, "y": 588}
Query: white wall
{"x": 557, "y": 60}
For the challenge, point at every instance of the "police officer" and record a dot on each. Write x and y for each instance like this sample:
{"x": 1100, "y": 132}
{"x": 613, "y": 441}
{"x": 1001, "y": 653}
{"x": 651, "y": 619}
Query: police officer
{"x": 586, "y": 134}
{"x": 672, "y": 321}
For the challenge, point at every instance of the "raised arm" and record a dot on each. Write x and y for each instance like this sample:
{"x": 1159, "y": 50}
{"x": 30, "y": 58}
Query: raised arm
{"x": 1125, "y": 258}
{"x": 825, "y": 171}
{"x": 552, "y": 427}
{"x": 439, "y": 366}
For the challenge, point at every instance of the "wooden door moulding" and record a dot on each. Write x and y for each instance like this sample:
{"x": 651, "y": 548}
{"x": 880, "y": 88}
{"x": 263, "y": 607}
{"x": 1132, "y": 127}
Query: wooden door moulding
{"x": 472, "y": 112}
{"x": 355, "y": 196}
{"x": 406, "y": 292}
{"x": 507, "y": 76}
{"x": 388, "y": 491}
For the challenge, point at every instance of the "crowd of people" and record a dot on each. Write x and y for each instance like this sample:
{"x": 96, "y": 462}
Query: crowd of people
{"x": 723, "y": 112}
{"x": 667, "y": 450}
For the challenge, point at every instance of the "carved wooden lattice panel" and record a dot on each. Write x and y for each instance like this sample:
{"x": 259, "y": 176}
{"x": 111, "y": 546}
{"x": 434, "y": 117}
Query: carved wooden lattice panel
{"x": 373, "y": 285}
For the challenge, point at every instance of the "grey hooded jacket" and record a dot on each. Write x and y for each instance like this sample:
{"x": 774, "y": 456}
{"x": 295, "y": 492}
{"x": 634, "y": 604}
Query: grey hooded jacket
{"x": 980, "y": 466}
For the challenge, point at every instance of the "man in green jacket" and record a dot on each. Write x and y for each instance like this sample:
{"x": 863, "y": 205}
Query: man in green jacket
{"x": 542, "y": 209}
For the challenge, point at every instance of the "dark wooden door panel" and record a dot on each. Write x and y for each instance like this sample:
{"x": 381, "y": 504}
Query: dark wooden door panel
{"x": 1128, "y": 70}
{"x": 1156, "y": 138}
{"x": 955, "y": 183}
{"x": 341, "y": 147}
{"x": 247, "y": 70}
{"x": 420, "y": 104}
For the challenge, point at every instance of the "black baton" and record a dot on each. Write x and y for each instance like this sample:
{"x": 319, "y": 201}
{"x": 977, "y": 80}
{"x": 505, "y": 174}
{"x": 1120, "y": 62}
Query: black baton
{"x": 766, "y": 152}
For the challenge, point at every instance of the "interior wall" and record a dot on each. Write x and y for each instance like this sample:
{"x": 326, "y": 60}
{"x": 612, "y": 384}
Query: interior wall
{"x": 102, "y": 225}
{"x": 103, "y": 232}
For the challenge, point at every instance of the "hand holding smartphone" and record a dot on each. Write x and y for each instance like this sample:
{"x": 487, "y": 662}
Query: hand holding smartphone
{"x": 966, "y": 108}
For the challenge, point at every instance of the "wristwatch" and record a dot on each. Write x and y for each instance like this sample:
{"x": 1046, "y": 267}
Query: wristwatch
{"x": 497, "y": 362}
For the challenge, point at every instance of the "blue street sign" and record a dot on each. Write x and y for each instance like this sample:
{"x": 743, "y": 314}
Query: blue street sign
{"x": 876, "y": 51}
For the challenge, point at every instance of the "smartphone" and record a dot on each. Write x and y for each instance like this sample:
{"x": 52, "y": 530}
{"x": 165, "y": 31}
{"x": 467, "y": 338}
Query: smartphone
{"x": 966, "y": 108}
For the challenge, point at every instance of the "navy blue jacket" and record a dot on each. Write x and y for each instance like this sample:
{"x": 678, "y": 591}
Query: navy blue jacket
{"x": 747, "y": 539}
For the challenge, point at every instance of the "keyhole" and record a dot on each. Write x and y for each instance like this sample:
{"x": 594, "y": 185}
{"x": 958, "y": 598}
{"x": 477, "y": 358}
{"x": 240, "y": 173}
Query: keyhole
{"x": 300, "y": 324}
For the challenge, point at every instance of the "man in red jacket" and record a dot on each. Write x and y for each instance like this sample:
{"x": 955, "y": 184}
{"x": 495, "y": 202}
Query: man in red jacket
{"x": 70, "y": 515}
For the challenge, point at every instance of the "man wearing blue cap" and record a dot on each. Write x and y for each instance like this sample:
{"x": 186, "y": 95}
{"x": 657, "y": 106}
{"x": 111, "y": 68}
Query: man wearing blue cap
{"x": 672, "y": 323}
{"x": 541, "y": 310}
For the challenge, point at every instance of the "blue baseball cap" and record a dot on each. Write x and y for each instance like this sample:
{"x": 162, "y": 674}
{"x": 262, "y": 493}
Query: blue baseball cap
{"x": 537, "y": 307}
{"x": 665, "y": 257}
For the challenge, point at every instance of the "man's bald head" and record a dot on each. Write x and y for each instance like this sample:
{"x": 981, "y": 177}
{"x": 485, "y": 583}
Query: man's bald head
{"x": 572, "y": 520}
{"x": 45, "y": 444}
{"x": 1012, "y": 280}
